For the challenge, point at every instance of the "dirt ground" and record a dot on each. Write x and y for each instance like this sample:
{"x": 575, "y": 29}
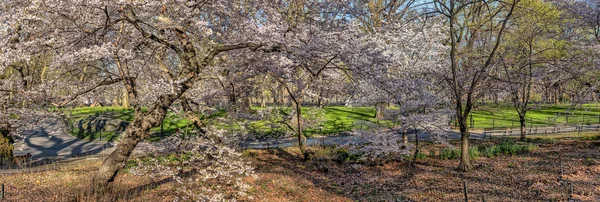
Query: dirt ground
{"x": 282, "y": 176}
{"x": 532, "y": 177}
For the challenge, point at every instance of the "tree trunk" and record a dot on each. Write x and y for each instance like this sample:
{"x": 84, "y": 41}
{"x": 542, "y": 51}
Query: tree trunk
{"x": 117, "y": 159}
{"x": 523, "y": 127}
{"x": 379, "y": 111}
{"x": 135, "y": 132}
{"x": 248, "y": 105}
{"x": 405, "y": 137}
{"x": 299, "y": 124}
{"x": 125, "y": 99}
{"x": 320, "y": 100}
{"x": 465, "y": 161}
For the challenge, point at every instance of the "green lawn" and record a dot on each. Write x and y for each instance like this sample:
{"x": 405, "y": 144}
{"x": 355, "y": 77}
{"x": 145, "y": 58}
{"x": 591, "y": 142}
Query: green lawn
{"x": 337, "y": 120}
{"x": 343, "y": 119}
{"x": 506, "y": 116}
{"x": 172, "y": 122}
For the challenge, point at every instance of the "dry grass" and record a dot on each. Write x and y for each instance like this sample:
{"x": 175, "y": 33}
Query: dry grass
{"x": 281, "y": 176}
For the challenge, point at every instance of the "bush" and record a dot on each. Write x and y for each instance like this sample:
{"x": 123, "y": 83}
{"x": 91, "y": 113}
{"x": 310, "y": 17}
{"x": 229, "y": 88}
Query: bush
{"x": 449, "y": 153}
{"x": 506, "y": 148}
{"x": 342, "y": 155}
{"x": 473, "y": 153}
{"x": 421, "y": 156}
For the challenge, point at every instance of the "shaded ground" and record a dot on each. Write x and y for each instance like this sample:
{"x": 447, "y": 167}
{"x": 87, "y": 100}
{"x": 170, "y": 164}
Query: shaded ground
{"x": 534, "y": 177}
{"x": 281, "y": 176}
{"x": 49, "y": 139}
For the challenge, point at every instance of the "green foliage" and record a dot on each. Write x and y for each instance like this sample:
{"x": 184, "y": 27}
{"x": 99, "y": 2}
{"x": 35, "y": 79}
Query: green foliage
{"x": 505, "y": 148}
{"x": 131, "y": 163}
{"x": 343, "y": 155}
{"x": 6, "y": 147}
{"x": 450, "y": 153}
{"x": 421, "y": 156}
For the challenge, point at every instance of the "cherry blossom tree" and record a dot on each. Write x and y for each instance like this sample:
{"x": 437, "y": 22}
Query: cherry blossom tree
{"x": 475, "y": 32}
{"x": 121, "y": 33}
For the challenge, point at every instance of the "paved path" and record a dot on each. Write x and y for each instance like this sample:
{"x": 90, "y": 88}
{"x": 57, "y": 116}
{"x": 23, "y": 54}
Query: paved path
{"x": 339, "y": 140}
{"x": 48, "y": 138}
{"x": 451, "y": 135}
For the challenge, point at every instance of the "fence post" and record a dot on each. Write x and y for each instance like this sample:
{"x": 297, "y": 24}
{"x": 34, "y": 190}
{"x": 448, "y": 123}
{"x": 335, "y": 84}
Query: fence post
{"x": 2, "y": 192}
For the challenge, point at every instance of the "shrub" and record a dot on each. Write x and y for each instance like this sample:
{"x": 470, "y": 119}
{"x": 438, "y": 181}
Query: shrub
{"x": 506, "y": 148}
{"x": 342, "y": 155}
{"x": 421, "y": 156}
{"x": 449, "y": 153}
{"x": 473, "y": 152}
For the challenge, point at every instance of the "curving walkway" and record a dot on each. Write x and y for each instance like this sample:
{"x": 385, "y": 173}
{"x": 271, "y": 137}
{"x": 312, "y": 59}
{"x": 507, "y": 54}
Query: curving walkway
{"x": 48, "y": 138}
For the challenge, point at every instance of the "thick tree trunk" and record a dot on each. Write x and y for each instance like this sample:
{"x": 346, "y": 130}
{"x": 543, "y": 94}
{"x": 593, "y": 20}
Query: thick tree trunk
{"x": 117, "y": 159}
{"x": 135, "y": 132}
